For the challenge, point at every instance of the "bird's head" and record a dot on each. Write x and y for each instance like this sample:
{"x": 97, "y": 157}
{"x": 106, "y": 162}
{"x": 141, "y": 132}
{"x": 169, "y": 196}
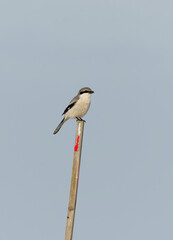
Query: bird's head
{"x": 85, "y": 90}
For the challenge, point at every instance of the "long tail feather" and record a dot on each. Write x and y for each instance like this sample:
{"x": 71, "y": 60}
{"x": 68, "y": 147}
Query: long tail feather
{"x": 59, "y": 126}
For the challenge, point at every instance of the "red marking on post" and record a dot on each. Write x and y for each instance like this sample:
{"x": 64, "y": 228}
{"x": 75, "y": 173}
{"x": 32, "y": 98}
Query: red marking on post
{"x": 77, "y": 144}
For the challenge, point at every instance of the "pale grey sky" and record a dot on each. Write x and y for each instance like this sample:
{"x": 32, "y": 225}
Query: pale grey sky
{"x": 123, "y": 50}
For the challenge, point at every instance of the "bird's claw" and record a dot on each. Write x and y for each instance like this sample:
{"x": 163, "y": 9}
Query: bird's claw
{"x": 80, "y": 119}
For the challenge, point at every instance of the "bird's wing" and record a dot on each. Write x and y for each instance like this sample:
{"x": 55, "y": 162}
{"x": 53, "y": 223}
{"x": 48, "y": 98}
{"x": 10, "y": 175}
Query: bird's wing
{"x": 72, "y": 103}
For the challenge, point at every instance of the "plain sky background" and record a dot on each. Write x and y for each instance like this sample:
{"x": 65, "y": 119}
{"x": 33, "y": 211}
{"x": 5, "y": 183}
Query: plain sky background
{"x": 123, "y": 50}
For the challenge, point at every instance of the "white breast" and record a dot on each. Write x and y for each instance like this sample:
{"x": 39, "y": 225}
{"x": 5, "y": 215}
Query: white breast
{"x": 81, "y": 107}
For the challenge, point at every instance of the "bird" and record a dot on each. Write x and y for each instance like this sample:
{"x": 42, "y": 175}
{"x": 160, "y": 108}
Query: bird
{"x": 78, "y": 107}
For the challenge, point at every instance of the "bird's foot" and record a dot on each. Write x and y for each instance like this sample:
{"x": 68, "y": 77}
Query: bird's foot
{"x": 80, "y": 119}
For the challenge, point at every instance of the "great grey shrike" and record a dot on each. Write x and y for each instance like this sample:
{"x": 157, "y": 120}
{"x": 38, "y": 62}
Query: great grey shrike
{"x": 78, "y": 107}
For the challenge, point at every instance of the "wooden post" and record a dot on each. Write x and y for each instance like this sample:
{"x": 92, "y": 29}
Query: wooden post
{"x": 74, "y": 180}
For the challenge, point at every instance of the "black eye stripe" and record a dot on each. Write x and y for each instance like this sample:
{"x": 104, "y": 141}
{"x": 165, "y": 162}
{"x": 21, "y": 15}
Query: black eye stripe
{"x": 86, "y": 91}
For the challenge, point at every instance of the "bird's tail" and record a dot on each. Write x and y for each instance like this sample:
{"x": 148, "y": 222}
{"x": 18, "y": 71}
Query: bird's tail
{"x": 60, "y": 125}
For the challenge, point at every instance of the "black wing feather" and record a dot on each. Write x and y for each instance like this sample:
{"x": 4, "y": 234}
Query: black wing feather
{"x": 69, "y": 107}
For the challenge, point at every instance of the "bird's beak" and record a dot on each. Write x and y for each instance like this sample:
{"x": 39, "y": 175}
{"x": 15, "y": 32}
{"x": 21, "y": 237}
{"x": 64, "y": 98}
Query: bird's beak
{"x": 92, "y": 92}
